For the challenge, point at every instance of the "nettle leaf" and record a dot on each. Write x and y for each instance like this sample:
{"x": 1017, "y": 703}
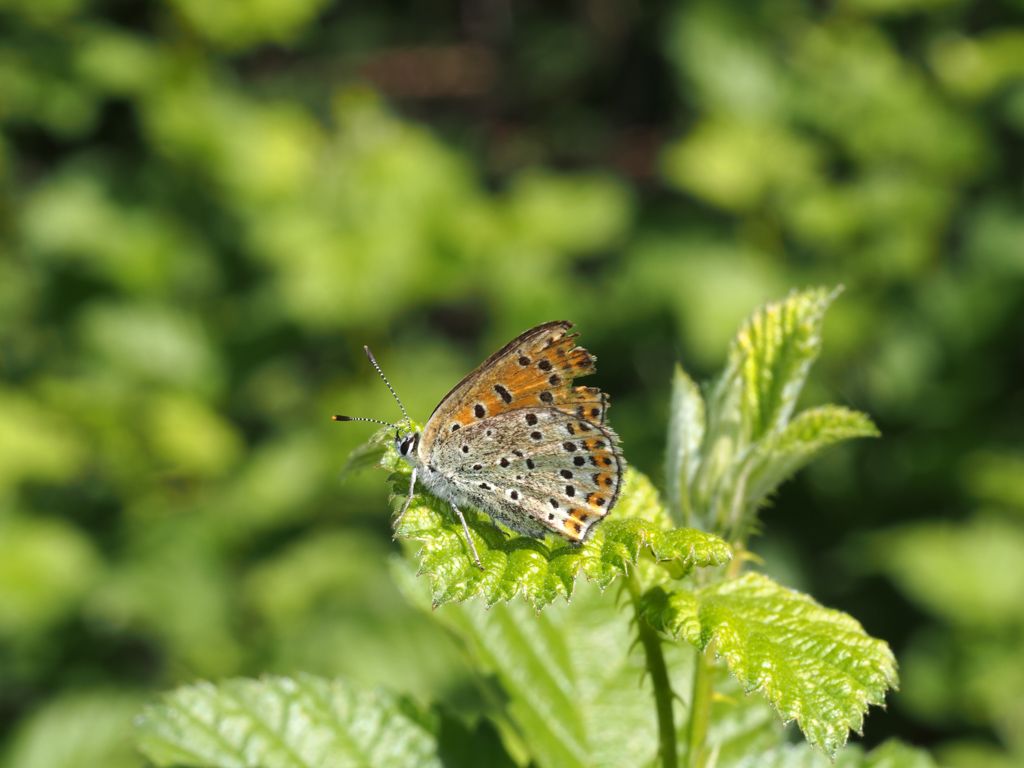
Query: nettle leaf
{"x": 809, "y": 433}
{"x": 281, "y": 722}
{"x": 891, "y": 754}
{"x": 541, "y": 571}
{"x": 751, "y": 445}
{"x": 772, "y": 354}
{"x": 372, "y": 453}
{"x": 685, "y": 435}
{"x": 744, "y": 732}
{"x": 815, "y": 665}
{"x": 573, "y": 688}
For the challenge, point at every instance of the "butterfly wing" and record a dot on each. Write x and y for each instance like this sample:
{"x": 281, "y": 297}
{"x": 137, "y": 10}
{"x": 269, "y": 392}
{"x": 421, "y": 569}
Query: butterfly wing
{"x": 536, "y": 466}
{"x": 536, "y": 369}
{"x": 516, "y": 439}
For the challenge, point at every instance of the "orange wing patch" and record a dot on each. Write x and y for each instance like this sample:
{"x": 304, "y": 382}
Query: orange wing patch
{"x": 538, "y": 371}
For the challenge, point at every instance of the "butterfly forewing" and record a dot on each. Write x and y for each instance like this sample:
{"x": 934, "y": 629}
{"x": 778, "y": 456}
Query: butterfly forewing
{"x": 517, "y": 440}
{"x": 534, "y": 370}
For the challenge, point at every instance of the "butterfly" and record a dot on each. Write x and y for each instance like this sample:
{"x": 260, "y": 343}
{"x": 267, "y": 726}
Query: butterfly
{"x": 516, "y": 440}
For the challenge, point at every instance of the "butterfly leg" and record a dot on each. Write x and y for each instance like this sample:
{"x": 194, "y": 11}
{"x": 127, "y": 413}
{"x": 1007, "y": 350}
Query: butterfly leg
{"x": 469, "y": 539}
{"x": 408, "y": 499}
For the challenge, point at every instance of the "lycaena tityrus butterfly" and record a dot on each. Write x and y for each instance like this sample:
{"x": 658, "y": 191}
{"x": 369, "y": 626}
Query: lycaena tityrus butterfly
{"x": 515, "y": 439}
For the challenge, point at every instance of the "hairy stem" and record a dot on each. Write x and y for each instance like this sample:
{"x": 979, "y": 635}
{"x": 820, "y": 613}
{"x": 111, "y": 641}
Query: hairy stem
{"x": 658, "y": 671}
{"x": 700, "y": 712}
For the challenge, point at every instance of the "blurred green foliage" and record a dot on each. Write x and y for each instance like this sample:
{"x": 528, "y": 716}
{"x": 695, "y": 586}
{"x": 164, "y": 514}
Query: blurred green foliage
{"x": 206, "y": 208}
{"x": 964, "y": 671}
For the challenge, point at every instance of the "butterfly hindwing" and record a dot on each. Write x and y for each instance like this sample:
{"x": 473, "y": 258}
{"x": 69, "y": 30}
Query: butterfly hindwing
{"x": 536, "y": 470}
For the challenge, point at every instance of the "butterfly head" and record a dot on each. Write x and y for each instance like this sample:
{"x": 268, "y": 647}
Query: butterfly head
{"x": 406, "y": 444}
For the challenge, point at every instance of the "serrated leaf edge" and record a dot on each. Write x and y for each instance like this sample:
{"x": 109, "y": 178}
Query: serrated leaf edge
{"x": 616, "y": 545}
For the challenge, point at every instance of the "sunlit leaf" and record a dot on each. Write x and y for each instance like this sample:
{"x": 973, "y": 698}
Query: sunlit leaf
{"x": 744, "y": 732}
{"x": 280, "y": 722}
{"x": 571, "y": 678}
{"x": 751, "y": 446}
{"x": 685, "y": 434}
{"x": 541, "y": 571}
{"x": 809, "y": 433}
{"x": 891, "y": 754}
{"x": 815, "y": 665}
{"x": 369, "y": 454}
{"x": 772, "y": 354}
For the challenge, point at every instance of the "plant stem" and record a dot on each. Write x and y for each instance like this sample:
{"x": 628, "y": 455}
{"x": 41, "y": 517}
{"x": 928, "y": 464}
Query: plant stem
{"x": 700, "y": 711}
{"x": 658, "y": 671}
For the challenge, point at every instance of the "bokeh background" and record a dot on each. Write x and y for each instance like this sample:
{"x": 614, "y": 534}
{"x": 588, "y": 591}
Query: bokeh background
{"x": 207, "y": 207}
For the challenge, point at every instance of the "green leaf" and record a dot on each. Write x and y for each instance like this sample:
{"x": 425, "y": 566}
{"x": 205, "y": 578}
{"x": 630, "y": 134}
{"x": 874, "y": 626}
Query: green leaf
{"x": 744, "y": 732}
{"x": 891, "y": 754}
{"x": 750, "y": 445}
{"x": 541, "y": 571}
{"x": 809, "y": 433}
{"x": 572, "y": 685}
{"x": 815, "y": 665}
{"x": 370, "y": 454}
{"x": 280, "y": 722}
{"x": 772, "y": 354}
{"x": 685, "y": 435}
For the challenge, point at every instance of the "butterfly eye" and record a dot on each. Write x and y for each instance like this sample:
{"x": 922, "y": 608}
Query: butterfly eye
{"x": 408, "y": 444}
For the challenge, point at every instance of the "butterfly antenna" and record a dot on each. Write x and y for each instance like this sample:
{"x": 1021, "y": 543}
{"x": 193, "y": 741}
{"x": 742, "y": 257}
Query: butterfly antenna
{"x": 339, "y": 417}
{"x": 373, "y": 362}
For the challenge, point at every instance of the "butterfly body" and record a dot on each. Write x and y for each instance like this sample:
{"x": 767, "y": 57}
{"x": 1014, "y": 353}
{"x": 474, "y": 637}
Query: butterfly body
{"x": 516, "y": 440}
